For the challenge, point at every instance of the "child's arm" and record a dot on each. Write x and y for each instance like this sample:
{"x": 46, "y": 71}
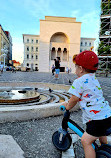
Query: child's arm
{"x": 71, "y": 103}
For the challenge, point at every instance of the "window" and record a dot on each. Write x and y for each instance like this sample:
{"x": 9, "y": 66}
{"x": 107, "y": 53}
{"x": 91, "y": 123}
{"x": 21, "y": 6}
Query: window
{"x": 85, "y": 43}
{"x": 59, "y": 49}
{"x": 27, "y": 40}
{"x": 32, "y": 56}
{"x": 32, "y": 40}
{"x": 27, "y": 56}
{"x": 65, "y": 49}
{"x": 32, "y": 49}
{"x": 36, "y": 49}
{"x": 27, "y": 48}
{"x": 36, "y": 56}
{"x": 36, "y": 41}
{"x": 81, "y": 43}
{"x": 80, "y": 50}
{"x": 90, "y": 44}
{"x": 27, "y": 64}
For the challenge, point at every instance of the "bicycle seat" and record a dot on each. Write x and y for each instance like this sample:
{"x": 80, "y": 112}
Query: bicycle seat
{"x": 108, "y": 131}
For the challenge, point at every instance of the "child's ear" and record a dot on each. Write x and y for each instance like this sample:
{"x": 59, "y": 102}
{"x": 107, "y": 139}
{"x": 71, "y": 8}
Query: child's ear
{"x": 81, "y": 69}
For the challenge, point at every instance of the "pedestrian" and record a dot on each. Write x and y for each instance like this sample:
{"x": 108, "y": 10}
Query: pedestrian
{"x": 1, "y": 70}
{"x": 67, "y": 70}
{"x": 70, "y": 70}
{"x": 53, "y": 69}
{"x": 57, "y": 67}
{"x": 87, "y": 91}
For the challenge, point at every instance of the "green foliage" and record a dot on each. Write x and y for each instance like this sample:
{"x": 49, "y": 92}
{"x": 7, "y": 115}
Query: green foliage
{"x": 104, "y": 50}
{"x": 105, "y": 7}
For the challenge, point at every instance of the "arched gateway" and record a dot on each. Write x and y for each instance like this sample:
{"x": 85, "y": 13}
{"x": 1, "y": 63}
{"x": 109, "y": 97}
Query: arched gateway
{"x": 59, "y": 47}
{"x": 59, "y": 37}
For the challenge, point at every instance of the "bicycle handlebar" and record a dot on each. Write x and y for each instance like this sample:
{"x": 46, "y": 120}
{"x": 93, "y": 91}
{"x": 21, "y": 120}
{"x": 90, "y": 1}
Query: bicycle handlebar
{"x": 62, "y": 108}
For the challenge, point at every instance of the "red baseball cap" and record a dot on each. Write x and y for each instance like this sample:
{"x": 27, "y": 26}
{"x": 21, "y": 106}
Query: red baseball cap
{"x": 86, "y": 59}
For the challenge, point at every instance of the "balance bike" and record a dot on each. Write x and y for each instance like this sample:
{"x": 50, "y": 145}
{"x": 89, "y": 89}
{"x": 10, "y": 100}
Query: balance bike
{"x": 62, "y": 139}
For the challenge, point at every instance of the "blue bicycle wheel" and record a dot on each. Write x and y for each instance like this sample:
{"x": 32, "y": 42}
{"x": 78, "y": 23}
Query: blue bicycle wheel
{"x": 64, "y": 145}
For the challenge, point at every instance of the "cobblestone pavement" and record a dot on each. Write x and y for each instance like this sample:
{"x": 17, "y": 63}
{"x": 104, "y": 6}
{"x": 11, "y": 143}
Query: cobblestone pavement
{"x": 34, "y": 136}
{"x": 35, "y": 77}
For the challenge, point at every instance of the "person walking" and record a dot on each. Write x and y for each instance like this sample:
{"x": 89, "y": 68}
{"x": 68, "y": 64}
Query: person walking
{"x": 57, "y": 67}
{"x": 53, "y": 69}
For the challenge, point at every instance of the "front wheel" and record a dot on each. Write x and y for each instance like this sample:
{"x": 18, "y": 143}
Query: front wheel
{"x": 65, "y": 145}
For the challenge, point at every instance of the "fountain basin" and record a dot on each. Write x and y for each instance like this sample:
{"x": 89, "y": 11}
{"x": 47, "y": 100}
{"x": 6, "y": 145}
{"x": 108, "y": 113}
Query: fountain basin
{"x": 18, "y": 96}
{"x": 31, "y": 110}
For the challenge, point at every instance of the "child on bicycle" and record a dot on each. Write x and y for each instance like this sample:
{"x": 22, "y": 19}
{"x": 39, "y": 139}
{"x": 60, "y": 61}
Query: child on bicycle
{"x": 87, "y": 91}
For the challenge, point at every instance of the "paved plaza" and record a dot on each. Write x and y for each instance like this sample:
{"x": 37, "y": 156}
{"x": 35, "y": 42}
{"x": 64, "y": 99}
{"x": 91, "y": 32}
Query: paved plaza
{"x": 35, "y": 136}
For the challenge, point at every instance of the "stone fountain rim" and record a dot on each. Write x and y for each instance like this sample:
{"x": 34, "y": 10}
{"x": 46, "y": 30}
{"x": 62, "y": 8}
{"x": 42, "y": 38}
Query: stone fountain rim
{"x": 13, "y": 114}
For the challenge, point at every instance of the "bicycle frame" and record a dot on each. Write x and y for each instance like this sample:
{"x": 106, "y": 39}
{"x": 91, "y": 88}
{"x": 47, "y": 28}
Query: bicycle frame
{"x": 68, "y": 123}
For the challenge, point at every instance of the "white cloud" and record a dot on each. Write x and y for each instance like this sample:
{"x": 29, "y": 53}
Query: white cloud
{"x": 75, "y": 13}
{"x": 90, "y": 23}
{"x": 38, "y": 8}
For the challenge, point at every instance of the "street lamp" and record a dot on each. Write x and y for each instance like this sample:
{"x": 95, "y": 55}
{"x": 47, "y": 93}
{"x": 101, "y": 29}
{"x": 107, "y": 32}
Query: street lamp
{"x": 5, "y": 51}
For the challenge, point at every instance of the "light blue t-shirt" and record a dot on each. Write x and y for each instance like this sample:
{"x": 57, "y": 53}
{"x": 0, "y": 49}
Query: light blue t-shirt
{"x": 91, "y": 100}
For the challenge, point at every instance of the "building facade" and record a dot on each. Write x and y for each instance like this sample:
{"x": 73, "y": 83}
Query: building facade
{"x": 31, "y": 51}
{"x": 87, "y": 44}
{"x": 5, "y": 46}
{"x": 59, "y": 37}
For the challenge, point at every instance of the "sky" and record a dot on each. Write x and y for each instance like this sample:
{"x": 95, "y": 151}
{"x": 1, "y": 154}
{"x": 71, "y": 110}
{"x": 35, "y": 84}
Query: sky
{"x": 22, "y": 17}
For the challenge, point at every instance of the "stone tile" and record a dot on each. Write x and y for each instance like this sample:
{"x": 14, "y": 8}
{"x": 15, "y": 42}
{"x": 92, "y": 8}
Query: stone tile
{"x": 69, "y": 153}
{"x": 75, "y": 138}
{"x": 9, "y": 148}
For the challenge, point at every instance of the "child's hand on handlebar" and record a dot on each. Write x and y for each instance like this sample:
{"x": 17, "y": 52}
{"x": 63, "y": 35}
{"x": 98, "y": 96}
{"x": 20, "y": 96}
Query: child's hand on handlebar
{"x": 65, "y": 104}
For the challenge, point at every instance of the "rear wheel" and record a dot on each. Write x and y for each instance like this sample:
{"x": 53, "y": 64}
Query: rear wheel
{"x": 105, "y": 147}
{"x": 102, "y": 154}
{"x": 63, "y": 146}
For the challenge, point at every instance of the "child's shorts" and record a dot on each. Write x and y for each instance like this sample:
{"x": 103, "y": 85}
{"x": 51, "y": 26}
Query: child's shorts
{"x": 98, "y": 127}
{"x": 57, "y": 71}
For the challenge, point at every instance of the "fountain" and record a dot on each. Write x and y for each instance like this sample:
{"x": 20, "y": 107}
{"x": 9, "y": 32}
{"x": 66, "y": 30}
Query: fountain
{"x": 18, "y": 96}
{"x": 24, "y": 101}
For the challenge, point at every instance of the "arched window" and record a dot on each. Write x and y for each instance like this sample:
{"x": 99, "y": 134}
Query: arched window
{"x": 59, "y": 49}
{"x": 65, "y": 49}
{"x": 53, "y": 53}
{"x": 53, "y": 49}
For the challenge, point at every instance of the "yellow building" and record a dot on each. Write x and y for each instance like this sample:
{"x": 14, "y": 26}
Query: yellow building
{"x": 5, "y": 47}
{"x": 59, "y": 37}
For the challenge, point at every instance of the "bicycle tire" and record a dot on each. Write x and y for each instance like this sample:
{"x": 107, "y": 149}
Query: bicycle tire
{"x": 65, "y": 145}
{"x": 105, "y": 147}
{"x": 102, "y": 154}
